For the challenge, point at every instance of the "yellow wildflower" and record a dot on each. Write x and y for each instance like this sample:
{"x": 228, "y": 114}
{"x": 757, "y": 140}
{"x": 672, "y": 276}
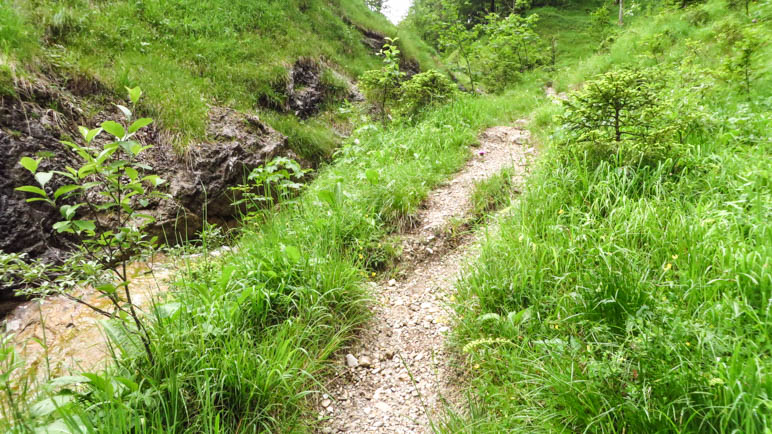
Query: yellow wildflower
{"x": 668, "y": 266}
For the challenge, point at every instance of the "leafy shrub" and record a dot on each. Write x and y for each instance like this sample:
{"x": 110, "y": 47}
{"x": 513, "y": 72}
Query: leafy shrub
{"x": 381, "y": 86}
{"x": 110, "y": 185}
{"x": 621, "y": 117}
{"x": 513, "y": 47}
{"x": 425, "y": 90}
{"x": 739, "y": 66}
{"x": 600, "y": 25}
{"x": 455, "y": 36}
{"x": 272, "y": 183}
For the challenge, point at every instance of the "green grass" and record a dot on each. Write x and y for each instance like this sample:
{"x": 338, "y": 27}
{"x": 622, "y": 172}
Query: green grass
{"x": 248, "y": 337}
{"x": 613, "y": 299}
{"x": 493, "y": 193}
{"x": 188, "y": 54}
{"x": 634, "y": 299}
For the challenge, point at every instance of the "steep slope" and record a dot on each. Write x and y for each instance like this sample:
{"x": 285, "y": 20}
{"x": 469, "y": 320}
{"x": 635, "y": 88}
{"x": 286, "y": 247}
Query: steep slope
{"x": 189, "y": 54}
{"x": 292, "y": 62}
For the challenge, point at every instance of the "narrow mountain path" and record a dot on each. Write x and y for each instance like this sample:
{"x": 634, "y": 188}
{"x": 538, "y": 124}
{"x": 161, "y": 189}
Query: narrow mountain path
{"x": 398, "y": 376}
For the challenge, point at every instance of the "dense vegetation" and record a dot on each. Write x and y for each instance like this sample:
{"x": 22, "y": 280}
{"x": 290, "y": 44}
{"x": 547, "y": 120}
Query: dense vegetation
{"x": 628, "y": 290}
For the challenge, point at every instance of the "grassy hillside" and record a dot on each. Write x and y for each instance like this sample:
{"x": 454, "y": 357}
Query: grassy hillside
{"x": 189, "y": 54}
{"x": 635, "y": 297}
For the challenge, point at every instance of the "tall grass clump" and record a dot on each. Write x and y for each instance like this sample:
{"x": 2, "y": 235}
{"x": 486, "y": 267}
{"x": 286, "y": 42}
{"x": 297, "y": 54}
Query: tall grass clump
{"x": 634, "y": 294}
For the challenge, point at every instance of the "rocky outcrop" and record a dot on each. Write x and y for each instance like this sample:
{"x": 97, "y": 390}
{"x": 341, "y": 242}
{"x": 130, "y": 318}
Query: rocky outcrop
{"x": 28, "y": 128}
{"x": 199, "y": 181}
{"x": 306, "y": 92}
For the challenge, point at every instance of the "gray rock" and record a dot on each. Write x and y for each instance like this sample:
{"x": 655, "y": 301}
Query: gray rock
{"x": 351, "y": 361}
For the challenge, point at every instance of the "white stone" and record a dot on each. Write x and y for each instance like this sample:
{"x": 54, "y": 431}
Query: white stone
{"x": 351, "y": 361}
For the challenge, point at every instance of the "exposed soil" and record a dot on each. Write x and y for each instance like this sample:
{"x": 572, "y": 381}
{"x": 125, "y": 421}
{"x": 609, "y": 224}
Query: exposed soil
{"x": 399, "y": 376}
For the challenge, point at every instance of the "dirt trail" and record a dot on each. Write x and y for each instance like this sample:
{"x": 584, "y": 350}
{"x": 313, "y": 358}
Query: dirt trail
{"x": 399, "y": 376}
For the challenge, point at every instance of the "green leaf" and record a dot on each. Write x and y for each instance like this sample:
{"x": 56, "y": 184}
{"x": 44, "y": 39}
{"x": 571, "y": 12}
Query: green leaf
{"x": 62, "y": 226}
{"x": 154, "y": 180}
{"x": 107, "y": 288}
{"x": 68, "y": 380}
{"x": 168, "y": 310}
{"x": 49, "y": 405}
{"x": 292, "y": 253}
{"x": 125, "y": 110}
{"x": 60, "y": 426}
{"x": 148, "y": 219}
{"x": 489, "y": 317}
{"x": 134, "y": 94}
{"x": 43, "y": 177}
{"x": 131, "y": 147}
{"x": 89, "y": 135}
{"x": 32, "y": 189}
{"x": 30, "y": 164}
{"x": 92, "y": 134}
{"x": 129, "y": 383}
{"x": 517, "y": 318}
{"x": 139, "y": 124}
{"x": 131, "y": 173}
{"x": 83, "y": 131}
{"x": 81, "y": 152}
{"x": 84, "y": 225}
{"x": 65, "y": 189}
{"x": 114, "y": 128}
{"x": 68, "y": 211}
{"x": 327, "y": 196}
{"x": 119, "y": 335}
{"x": 107, "y": 152}
{"x": 86, "y": 170}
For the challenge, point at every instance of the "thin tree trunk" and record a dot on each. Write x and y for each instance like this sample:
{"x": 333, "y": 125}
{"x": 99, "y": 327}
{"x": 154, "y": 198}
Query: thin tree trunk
{"x": 621, "y": 12}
